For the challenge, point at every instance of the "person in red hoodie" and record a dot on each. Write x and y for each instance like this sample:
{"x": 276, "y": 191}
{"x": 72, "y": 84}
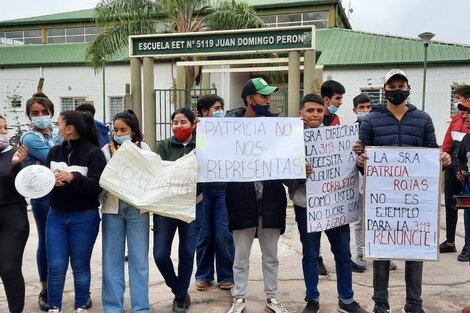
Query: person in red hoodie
{"x": 457, "y": 129}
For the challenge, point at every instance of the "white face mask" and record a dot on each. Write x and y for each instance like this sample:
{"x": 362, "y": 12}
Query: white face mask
{"x": 4, "y": 141}
{"x": 332, "y": 109}
{"x": 361, "y": 115}
{"x": 456, "y": 105}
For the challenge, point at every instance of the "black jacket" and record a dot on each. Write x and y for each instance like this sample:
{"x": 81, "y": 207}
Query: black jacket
{"x": 381, "y": 128}
{"x": 82, "y": 193}
{"x": 243, "y": 208}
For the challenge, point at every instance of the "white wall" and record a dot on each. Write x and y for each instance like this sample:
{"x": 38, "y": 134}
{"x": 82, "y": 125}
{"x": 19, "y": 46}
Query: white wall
{"x": 438, "y": 89}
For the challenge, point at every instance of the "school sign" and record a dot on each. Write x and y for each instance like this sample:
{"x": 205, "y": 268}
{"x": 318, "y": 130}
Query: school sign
{"x": 217, "y": 43}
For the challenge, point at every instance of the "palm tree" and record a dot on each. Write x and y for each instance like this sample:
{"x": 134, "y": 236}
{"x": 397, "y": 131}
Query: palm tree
{"x": 122, "y": 18}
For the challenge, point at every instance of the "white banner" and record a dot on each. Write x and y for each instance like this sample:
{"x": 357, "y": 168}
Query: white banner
{"x": 333, "y": 188}
{"x": 250, "y": 149}
{"x": 401, "y": 200}
{"x": 142, "y": 179}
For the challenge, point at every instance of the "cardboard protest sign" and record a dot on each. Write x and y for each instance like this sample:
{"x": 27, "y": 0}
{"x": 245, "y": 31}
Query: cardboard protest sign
{"x": 250, "y": 149}
{"x": 142, "y": 179}
{"x": 401, "y": 203}
{"x": 333, "y": 188}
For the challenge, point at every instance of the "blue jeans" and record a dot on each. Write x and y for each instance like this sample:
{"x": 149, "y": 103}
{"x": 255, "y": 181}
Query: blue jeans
{"x": 130, "y": 224}
{"x": 164, "y": 232}
{"x": 40, "y": 209}
{"x": 214, "y": 238}
{"x": 339, "y": 238}
{"x": 70, "y": 236}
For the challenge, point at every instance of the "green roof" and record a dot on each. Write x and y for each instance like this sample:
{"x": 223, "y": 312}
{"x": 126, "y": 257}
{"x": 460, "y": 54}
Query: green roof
{"x": 349, "y": 48}
{"x": 49, "y": 55}
{"x": 338, "y": 47}
{"x": 67, "y": 17}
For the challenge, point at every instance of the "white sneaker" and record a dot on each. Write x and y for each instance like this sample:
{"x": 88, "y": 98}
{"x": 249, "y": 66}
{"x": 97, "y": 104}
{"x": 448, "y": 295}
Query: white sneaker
{"x": 238, "y": 306}
{"x": 80, "y": 310}
{"x": 53, "y": 311}
{"x": 275, "y": 306}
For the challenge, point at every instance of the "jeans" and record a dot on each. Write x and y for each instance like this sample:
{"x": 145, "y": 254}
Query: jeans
{"x": 70, "y": 236}
{"x": 214, "y": 238}
{"x": 130, "y": 224}
{"x": 339, "y": 238}
{"x": 40, "y": 209}
{"x": 164, "y": 232}
{"x": 413, "y": 279}
{"x": 14, "y": 231}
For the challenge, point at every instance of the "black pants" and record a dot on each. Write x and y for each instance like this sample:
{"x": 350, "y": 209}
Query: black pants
{"x": 413, "y": 280}
{"x": 452, "y": 187}
{"x": 14, "y": 231}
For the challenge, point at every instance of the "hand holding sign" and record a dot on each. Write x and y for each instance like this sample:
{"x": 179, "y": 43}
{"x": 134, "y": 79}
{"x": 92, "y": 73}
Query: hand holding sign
{"x": 34, "y": 181}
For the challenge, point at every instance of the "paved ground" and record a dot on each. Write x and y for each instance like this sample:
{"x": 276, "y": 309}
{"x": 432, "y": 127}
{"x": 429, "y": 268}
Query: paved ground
{"x": 446, "y": 285}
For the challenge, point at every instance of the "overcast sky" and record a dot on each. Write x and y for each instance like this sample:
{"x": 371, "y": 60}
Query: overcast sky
{"x": 447, "y": 19}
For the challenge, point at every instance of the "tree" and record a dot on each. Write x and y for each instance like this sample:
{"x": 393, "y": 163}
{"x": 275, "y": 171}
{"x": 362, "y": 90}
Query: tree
{"x": 123, "y": 18}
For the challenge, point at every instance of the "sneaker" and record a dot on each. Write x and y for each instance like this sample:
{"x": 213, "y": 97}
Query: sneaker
{"x": 321, "y": 267}
{"x": 466, "y": 309}
{"x": 226, "y": 285}
{"x": 202, "y": 285}
{"x": 53, "y": 311}
{"x": 353, "y": 307}
{"x": 381, "y": 308}
{"x": 393, "y": 266}
{"x": 179, "y": 305}
{"x": 89, "y": 303}
{"x": 445, "y": 248}
{"x": 80, "y": 310}
{"x": 312, "y": 306}
{"x": 360, "y": 261}
{"x": 275, "y": 306}
{"x": 238, "y": 306}
{"x": 356, "y": 268}
{"x": 463, "y": 256}
{"x": 42, "y": 301}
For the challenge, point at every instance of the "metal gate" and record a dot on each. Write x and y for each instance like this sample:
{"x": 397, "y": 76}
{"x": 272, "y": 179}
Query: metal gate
{"x": 165, "y": 103}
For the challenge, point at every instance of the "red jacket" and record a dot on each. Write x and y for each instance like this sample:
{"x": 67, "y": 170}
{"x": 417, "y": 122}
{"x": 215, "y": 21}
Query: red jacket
{"x": 457, "y": 129}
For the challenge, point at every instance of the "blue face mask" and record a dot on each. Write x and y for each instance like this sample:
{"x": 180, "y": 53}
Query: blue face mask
{"x": 219, "y": 113}
{"x": 361, "y": 115}
{"x": 456, "y": 106}
{"x": 332, "y": 109}
{"x": 121, "y": 139}
{"x": 261, "y": 110}
{"x": 56, "y": 137}
{"x": 41, "y": 122}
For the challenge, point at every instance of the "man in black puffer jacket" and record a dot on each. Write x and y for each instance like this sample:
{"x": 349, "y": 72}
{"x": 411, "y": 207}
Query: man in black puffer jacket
{"x": 398, "y": 123}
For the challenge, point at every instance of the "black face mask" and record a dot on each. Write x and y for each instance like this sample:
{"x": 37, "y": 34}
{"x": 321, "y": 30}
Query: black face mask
{"x": 397, "y": 96}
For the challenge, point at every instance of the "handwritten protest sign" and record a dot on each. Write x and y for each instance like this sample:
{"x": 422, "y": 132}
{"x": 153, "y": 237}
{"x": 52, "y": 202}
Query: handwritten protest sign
{"x": 333, "y": 188}
{"x": 250, "y": 149}
{"x": 142, "y": 179}
{"x": 401, "y": 200}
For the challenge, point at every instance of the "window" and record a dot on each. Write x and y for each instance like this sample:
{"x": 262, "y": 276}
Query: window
{"x": 75, "y": 34}
{"x": 70, "y": 103}
{"x": 319, "y": 19}
{"x": 116, "y": 105}
{"x": 20, "y": 37}
{"x": 15, "y": 101}
{"x": 374, "y": 93}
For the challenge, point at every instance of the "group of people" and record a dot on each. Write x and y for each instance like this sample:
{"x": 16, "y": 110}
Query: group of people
{"x": 229, "y": 216}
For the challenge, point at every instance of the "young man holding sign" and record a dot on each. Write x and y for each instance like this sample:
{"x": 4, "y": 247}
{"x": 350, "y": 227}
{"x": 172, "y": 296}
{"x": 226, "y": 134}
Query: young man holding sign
{"x": 312, "y": 113}
{"x": 398, "y": 123}
{"x": 256, "y": 209}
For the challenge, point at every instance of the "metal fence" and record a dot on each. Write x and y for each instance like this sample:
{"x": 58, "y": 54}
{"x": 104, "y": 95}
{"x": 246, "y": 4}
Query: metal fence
{"x": 165, "y": 102}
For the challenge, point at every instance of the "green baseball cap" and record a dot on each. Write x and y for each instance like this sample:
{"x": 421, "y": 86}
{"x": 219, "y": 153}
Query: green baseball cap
{"x": 257, "y": 85}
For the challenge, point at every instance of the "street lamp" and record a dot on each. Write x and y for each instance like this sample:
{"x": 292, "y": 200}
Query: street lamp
{"x": 426, "y": 38}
